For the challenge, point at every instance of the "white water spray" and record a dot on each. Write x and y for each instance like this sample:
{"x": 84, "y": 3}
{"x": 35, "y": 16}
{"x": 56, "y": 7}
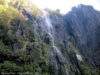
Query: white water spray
{"x": 79, "y": 57}
{"x": 47, "y": 19}
{"x": 50, "y": 32}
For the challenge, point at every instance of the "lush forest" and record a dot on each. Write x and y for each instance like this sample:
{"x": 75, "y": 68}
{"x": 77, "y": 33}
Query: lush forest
{"x": 26, "y": 47}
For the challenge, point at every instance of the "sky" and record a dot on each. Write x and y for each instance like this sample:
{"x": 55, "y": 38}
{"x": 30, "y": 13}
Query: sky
{"x": 65, "y": 5}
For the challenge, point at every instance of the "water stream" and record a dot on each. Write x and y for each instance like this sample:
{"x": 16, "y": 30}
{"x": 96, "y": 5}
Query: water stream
{"x": 56, "y": 52}
{"x": 50, "y": 33}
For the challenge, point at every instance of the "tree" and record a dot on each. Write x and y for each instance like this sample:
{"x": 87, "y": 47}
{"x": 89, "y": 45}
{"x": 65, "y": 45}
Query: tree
{"x": 3, "y": 2}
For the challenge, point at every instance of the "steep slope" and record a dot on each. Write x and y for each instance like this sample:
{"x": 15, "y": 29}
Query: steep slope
{"x": 25, "y": 45}
{"x": 37, "y": 42}
{"x": 83, "y": 25}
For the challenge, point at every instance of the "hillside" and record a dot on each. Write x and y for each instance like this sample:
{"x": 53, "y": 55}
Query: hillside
{"x": 45, "y": 42}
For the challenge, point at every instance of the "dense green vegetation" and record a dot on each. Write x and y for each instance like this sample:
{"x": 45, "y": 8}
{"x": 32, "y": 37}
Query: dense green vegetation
{"x": 24, "y": 4}
{"x": 22, "y": 49}
{"x": 84, "y": 66}
{"x": 87, "y": 69}
{"x": 3, "y": 2}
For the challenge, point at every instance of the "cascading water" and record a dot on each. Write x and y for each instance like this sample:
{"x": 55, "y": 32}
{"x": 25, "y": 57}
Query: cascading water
{"x": 50, "y": 33}
{"x": 59, "y": 58}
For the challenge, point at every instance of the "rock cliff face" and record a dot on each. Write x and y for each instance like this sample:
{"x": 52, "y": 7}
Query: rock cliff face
{"x": 47, "y": 42}
{"x": 83, "y": 25}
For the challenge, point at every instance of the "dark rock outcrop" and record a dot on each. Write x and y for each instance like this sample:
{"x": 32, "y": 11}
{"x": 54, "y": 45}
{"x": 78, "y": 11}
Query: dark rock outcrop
{"x": 82, "y": 24}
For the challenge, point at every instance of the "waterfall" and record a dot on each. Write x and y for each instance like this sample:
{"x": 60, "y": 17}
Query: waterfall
{"x": 47, "y": 19}
{"x": 50, "y": 33}
{"x": 79, "y": 57}
{"x": 56, "y": 52}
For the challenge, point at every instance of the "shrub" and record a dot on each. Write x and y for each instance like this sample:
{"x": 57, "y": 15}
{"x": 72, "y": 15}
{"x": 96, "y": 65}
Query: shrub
{"x": 35, "y": 10}
{"x": 1, "y": 8}
{"x": 7, "y": 15}
{"x": 88, "y": 69}
{"x": 4, "y": 50}
{"x": 3, "y": 2}
{"x": 22, "y": 55}
{"x": 9, "y": 66}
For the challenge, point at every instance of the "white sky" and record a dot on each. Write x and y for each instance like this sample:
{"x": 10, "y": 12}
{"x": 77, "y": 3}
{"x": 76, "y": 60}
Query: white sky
{"x": 65, "y": 5}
